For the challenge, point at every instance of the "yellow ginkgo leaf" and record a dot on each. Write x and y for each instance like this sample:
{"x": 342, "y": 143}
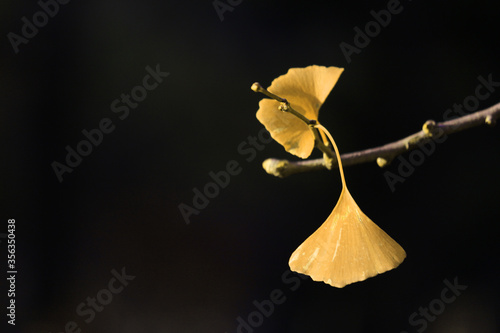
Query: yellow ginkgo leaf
{"x": 306, "y": 90}
{"x": 347, "y": 248}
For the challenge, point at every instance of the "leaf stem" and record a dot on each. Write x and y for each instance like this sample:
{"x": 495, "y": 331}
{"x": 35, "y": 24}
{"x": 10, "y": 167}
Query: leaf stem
{"x": 339, "y": 160}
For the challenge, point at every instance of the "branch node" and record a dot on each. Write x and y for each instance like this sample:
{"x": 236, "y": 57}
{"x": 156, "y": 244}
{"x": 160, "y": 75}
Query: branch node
{"x": 328, "y": 161}
{"x": 383, "y": 162}
{"x": 490, "y": 121}
{"x": 430, "y": 128}
{"x": 412, "y": 142}
{"x": 256, "y": 87}
{"x": 275, "y": 167}
{"x": 283, "y": 107}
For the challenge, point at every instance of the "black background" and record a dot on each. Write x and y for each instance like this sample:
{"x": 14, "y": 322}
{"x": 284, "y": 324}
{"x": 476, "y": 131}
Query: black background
{"x": 119, "y": 207}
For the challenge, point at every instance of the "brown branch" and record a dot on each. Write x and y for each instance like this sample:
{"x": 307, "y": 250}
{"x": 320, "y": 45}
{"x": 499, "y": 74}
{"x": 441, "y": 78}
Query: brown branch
{"x": 386, "y": 153}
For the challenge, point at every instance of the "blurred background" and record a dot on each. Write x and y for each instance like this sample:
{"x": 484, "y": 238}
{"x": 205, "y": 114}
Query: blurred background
{"x": 119, "y": 208}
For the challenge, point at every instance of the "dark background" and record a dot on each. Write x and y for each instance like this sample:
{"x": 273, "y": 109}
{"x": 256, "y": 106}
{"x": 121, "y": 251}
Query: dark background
{"x": 119, "y": 207}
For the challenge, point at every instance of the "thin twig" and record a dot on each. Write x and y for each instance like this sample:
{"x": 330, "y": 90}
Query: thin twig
{"x": 386, "y": 153}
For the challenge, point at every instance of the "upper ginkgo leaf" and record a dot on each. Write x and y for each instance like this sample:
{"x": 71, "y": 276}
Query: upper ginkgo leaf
{"x": 306, "y": 90}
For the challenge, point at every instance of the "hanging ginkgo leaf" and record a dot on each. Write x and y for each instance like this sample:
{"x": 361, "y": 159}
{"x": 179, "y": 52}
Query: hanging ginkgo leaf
{"x": 348, "y": 247}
